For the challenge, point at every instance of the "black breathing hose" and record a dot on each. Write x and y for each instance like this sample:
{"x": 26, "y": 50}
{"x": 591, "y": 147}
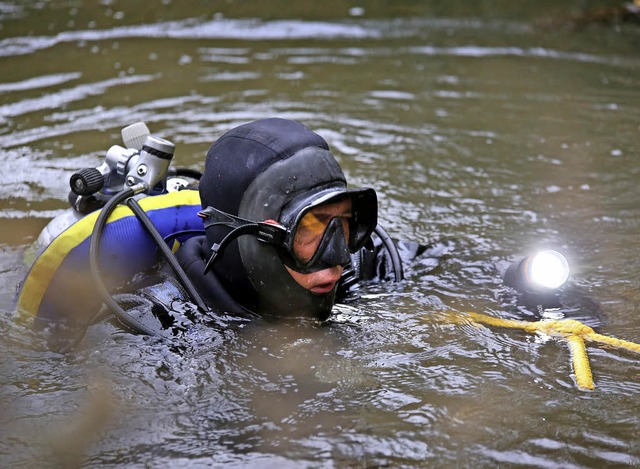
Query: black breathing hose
{"x": 166, "y": 252}
{"x": 94, "y": 250}
{"x": 392, "y": 249}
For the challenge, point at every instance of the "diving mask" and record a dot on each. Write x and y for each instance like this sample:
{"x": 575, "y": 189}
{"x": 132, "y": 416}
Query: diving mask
{"x": 315, "y": 232}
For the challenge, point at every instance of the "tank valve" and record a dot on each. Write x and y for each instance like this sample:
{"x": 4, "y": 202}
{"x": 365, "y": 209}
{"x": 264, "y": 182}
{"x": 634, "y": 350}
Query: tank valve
{"x": 86, "y": 181}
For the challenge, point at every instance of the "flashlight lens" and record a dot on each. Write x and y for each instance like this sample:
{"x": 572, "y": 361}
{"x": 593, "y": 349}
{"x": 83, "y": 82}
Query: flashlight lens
{"x": 548, "y": 269}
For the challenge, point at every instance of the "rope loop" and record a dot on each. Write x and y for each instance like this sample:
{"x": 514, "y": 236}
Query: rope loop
{"x": 573, "y": 331}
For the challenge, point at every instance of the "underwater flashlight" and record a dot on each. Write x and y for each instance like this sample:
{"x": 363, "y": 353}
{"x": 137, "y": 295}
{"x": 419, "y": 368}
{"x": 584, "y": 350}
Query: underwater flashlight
{"x": 541, "y": 272}
{"x": 548, "y": 269}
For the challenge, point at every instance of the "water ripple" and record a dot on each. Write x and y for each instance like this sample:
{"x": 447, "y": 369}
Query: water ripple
{"x": 244, "y": 29}
{"x": 101, "y": 117}
{"x": 40, "y": 82}
{"x": 60, "y": 98}
{"x": 532, "y": 52}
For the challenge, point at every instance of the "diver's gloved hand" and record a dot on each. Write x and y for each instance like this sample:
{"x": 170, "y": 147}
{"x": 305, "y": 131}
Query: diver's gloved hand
{"x": 161, "y": 307}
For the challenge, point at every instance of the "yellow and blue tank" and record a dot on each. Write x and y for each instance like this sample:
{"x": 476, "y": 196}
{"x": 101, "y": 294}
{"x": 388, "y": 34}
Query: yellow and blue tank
{"x": 59, "y": 285}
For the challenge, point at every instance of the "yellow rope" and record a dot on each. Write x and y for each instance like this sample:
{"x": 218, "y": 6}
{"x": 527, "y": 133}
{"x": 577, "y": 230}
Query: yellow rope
{"x": 620, "y": 343}
{"x": 573, "y": 331}
{"x": 580, "y": 361}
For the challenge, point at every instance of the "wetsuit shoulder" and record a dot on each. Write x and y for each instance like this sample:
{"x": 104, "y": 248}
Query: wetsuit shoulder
{"x": 192, "y": 257}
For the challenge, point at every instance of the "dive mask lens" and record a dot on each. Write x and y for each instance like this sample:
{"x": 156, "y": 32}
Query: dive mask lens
{"x": 310, "y": 229}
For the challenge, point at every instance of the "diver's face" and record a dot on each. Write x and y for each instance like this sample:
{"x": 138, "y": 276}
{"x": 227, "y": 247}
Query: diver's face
{"x": 307, "y": 239}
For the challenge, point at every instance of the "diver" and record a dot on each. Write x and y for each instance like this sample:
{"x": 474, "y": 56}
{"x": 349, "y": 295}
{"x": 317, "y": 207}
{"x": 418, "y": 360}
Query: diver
{"x": 276, "y": 233}
{"x": 284, "y": 235}
{"x": 281, "y": 174}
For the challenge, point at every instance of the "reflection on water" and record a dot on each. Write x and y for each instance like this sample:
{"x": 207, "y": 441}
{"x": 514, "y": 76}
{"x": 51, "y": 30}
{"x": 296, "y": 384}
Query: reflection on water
{"x": 484, "y": 135}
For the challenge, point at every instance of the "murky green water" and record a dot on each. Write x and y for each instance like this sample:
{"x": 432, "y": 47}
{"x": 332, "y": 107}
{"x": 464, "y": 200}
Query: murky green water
{"x": 492, "y": 126}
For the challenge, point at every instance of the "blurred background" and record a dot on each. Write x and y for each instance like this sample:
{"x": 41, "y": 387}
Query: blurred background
{"x": 488, "y": 128}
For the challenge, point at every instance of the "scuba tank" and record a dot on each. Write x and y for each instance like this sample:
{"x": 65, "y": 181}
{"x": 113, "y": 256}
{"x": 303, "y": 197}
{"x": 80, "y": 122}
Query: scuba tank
{"x": 113, "y": 242}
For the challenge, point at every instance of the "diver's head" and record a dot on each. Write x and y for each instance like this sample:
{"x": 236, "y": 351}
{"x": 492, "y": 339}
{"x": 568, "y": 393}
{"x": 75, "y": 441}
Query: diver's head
{"x": 276, "y": 182}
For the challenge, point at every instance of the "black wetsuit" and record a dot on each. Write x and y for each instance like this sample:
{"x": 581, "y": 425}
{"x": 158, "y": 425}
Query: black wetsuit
{"x": 159, "y": 302}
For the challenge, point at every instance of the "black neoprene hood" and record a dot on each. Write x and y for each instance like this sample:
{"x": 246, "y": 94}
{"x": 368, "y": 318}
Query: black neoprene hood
{"x": 256, "y": 171}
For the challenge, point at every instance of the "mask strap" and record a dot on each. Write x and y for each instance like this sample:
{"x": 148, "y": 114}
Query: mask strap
{"x": 267, "y": 232}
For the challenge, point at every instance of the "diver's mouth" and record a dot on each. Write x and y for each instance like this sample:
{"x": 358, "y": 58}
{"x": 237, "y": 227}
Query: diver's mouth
{"x": 323, "y": 288}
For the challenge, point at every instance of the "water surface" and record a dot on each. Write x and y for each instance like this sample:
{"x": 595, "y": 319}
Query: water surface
{"x": 488, "y": 129}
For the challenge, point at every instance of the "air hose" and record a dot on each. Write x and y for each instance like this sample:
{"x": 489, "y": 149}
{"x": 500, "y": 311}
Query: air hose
{"x": 392, "y": 249}
{"x": 166, "y": 252}
{"x": 94, "y": 250}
